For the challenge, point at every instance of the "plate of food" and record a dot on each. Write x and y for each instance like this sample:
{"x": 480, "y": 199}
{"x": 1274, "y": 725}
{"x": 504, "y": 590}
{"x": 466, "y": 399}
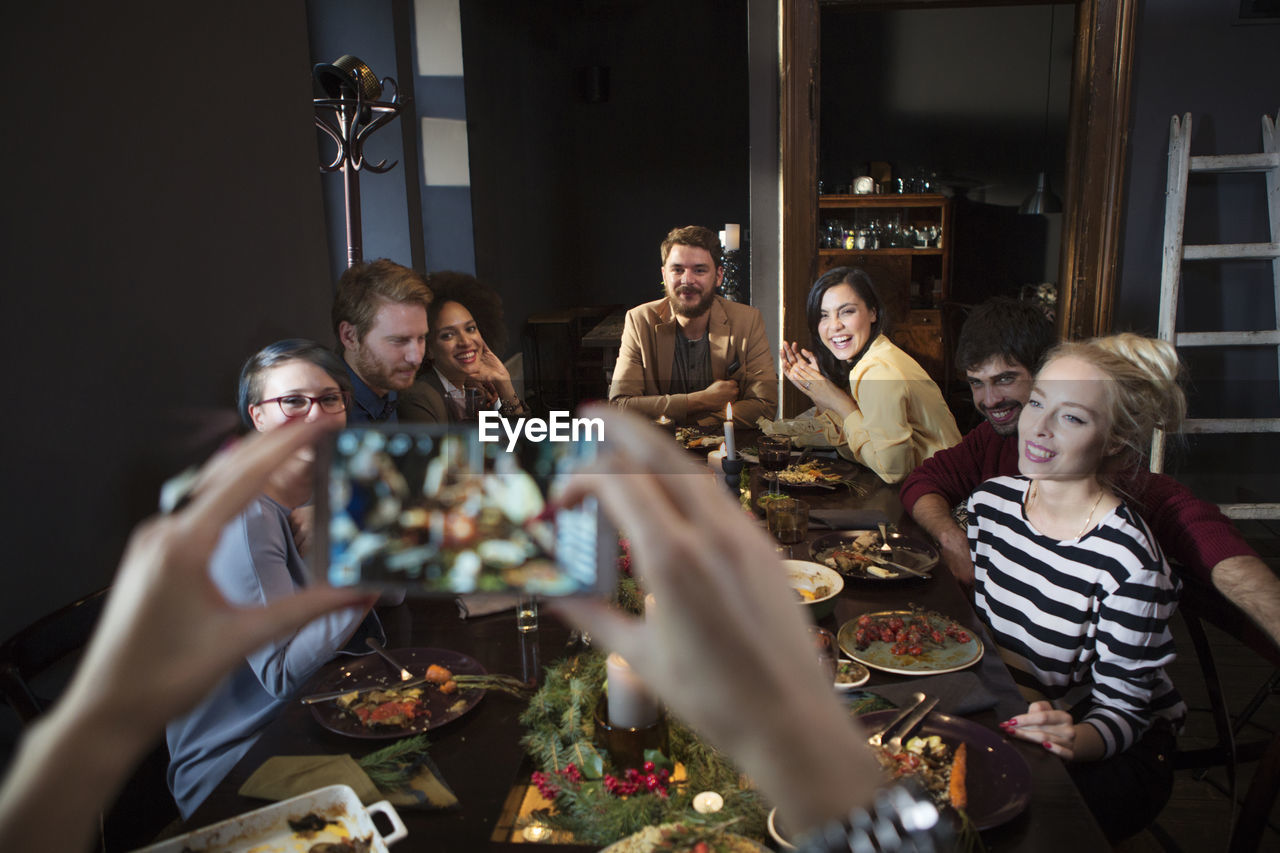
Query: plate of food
{"x": 698, "y": 439}
{"x": 812, "y": 474}
{"x": 963, "y": 765}
{"x": 909, "y": 642}
{"x": 392, "y": 711}
{"x": 856, "y": 554}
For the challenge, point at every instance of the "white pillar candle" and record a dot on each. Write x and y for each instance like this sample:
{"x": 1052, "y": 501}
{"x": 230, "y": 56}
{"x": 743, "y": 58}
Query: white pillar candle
{"x": 630, "y": 706}
{"x": 732, "y": 237}
{"x": 715, "y": 461}
{"x": 649, "y": 603}
{"x": 731, "y": 452}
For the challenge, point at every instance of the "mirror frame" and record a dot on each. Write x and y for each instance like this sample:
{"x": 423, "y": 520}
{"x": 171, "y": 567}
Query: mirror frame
{"x": 1097, "y": 148}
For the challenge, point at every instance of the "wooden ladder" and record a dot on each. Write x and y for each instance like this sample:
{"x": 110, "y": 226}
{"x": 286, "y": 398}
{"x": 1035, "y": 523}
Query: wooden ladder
{"x": 1180, "y": 164}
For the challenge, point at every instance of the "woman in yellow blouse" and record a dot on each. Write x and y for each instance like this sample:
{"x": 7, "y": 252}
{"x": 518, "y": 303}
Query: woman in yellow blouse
{"x": 892, "y": 417}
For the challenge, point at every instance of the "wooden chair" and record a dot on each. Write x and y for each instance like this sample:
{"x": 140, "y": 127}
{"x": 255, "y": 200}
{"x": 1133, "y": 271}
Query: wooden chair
{"x": 144, "y": 805}
{"x": 1201, "y": 604}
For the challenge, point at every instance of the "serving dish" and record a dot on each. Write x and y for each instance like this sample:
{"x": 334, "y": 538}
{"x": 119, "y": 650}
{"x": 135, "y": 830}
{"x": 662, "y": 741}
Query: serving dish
{"x": 267, "y": 830}
{"x": 952, "y": 657}
{"x": 364, "y": 671}
{"x": 997, "y": 779}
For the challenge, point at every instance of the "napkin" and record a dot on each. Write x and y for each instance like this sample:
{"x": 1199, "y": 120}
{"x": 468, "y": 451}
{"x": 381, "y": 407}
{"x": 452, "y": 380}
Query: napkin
{"x": 283, "y": 776}
{"x": 959, "y": 693}
{"x": 471, "y": 606}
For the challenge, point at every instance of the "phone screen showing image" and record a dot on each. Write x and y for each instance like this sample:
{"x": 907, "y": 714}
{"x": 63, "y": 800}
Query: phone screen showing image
{"x": 433, "y": 510}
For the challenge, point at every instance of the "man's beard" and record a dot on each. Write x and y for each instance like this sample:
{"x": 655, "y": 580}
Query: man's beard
{"x": 375, "y": 375}
{"x": 694, "y": 311}
{"x": 1006, "y": 429}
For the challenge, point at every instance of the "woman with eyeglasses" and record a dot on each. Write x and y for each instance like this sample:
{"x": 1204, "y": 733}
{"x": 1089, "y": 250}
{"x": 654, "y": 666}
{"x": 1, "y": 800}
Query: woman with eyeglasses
{"x": 256, "y": 562}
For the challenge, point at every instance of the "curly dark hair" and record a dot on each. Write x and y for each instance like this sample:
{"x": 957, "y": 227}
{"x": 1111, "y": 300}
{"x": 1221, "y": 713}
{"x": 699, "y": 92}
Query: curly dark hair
{"x": 1015, "y": 330}
{"x": 832, "y": 368}
{"x": 482, "y": 301}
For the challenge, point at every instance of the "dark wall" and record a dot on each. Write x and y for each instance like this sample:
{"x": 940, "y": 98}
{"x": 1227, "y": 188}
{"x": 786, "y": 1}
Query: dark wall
{"x": 162, "y": 220}
{"x": 571, "y": 198}
{"x": 1192, "y": 57}
{"x": 957, "y": 92}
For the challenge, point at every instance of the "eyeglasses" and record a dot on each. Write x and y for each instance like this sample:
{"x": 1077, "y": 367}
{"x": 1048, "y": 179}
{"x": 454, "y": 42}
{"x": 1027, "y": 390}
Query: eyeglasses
{"x": 299, "y": 405}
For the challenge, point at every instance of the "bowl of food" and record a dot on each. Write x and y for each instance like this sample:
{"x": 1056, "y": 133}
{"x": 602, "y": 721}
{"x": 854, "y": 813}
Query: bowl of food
{"x": 850, "y": 675}
{"x": 815, "y": 585}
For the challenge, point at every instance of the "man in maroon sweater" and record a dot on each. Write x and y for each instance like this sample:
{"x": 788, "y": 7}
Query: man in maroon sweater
{"x": 1000, "y": 346}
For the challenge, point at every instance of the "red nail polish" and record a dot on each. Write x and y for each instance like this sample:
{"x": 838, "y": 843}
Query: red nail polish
{"x": 1047, "y": 745}
{"x": 1009, "y": 723}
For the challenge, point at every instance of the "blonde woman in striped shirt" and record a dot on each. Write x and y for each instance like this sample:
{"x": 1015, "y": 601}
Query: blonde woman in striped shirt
{"x": 1071, "y": 583}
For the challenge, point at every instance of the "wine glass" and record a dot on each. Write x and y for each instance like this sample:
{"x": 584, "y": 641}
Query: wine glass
{"x": 775, "y": 455}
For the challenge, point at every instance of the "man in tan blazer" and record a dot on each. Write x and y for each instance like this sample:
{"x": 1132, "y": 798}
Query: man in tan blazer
{"x": 691, "y": 352}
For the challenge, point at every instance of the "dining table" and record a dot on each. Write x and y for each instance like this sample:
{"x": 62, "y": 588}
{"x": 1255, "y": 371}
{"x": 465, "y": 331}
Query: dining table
{"x": 480, "y": 757}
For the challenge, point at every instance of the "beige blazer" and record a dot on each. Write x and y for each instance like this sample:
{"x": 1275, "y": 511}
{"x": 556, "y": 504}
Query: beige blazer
{"x": 642, "y": 375}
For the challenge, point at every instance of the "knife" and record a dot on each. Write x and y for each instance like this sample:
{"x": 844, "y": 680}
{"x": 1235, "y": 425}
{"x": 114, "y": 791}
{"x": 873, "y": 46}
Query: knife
{"x": 897, "y": 567}
{"x": 334, "y": 694}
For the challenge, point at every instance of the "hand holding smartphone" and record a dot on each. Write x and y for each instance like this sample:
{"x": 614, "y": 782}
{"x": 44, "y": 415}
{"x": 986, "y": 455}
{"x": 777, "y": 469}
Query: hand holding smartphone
{"x": 432, "y": 510}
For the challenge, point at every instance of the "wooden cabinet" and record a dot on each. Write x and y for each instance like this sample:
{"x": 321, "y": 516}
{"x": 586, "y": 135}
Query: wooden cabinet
{"x": 904, "y": 243}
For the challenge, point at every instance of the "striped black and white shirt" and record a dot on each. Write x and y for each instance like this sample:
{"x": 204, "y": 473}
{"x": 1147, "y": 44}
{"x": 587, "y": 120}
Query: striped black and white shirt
{"x": 1082, "y": 621}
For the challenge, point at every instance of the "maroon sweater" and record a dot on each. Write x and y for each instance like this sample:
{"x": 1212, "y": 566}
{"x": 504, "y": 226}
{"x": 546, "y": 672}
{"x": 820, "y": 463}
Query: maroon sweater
{"x": 1191, "y": 532}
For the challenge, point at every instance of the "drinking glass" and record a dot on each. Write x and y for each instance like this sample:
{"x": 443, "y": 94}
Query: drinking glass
{"x": 526, "y": 613}
{"x": 788, "y": 519}
{"x": 775, "y": 455}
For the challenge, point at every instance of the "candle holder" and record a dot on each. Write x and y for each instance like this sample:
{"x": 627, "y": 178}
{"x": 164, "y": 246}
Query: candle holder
{"x": 731, "y": 285}
{"x": 733, "y": 474}
{"x": 627, "y": 746}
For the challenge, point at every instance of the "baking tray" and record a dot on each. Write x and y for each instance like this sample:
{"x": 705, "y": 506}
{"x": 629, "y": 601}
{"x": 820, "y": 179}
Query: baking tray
{"x": 266, "y": 830}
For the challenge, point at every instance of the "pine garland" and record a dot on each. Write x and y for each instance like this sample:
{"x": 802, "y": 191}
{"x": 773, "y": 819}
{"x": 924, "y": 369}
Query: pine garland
{"x": 391, "y": 767}
{"x": 561, "y": 727}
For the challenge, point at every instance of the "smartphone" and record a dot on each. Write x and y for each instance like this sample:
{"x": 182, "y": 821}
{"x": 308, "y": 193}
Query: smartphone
{"x": 432, "y": 510}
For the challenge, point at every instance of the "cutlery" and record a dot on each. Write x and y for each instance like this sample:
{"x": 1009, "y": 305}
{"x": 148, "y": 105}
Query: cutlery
{"x": 884, "y": 538}
{"x": 909, "y": 724}
{"x": 405, "y": 675}
{"x": 897, "y": 567}
{"x": 877, "y": 738}
{"x": 334, "y": 694}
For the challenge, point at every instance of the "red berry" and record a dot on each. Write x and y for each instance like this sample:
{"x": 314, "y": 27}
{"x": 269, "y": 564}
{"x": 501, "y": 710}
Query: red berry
{"x": 648, "y": 767}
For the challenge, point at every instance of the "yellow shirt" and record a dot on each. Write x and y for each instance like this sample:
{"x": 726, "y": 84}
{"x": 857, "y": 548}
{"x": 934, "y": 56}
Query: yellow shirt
{"x": 900, "y": 418}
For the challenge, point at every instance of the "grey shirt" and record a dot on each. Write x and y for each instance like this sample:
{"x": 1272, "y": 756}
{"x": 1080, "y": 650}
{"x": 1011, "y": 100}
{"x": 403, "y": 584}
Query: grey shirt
{"x": 256, "y": 562}
{"x": 691, "y": 369}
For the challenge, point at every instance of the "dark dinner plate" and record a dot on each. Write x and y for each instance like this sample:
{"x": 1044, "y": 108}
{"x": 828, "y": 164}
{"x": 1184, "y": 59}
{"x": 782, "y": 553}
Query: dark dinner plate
{"x": 371, "y": 669}
{"x": 841, "y": 468}
{"x": 997, "y": 777}
{"x": 911, "y": 551}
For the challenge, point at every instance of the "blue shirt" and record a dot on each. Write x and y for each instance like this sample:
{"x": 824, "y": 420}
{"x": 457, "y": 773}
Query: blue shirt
{"x": 369, "y": 407}
{"x": 256, "y": 562}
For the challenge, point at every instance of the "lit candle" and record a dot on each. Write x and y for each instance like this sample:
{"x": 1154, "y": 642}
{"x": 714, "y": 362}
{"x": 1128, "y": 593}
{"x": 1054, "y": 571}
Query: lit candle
{"x": 731, "y": 451}
{"x": 630, "y": 706}
{"x": 715, "y": 460}
{"x": 732, "y": 237}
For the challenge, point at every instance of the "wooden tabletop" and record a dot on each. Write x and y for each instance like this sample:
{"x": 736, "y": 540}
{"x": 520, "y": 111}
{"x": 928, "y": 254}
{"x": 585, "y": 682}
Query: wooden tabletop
{"x": 480, "y": 757}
